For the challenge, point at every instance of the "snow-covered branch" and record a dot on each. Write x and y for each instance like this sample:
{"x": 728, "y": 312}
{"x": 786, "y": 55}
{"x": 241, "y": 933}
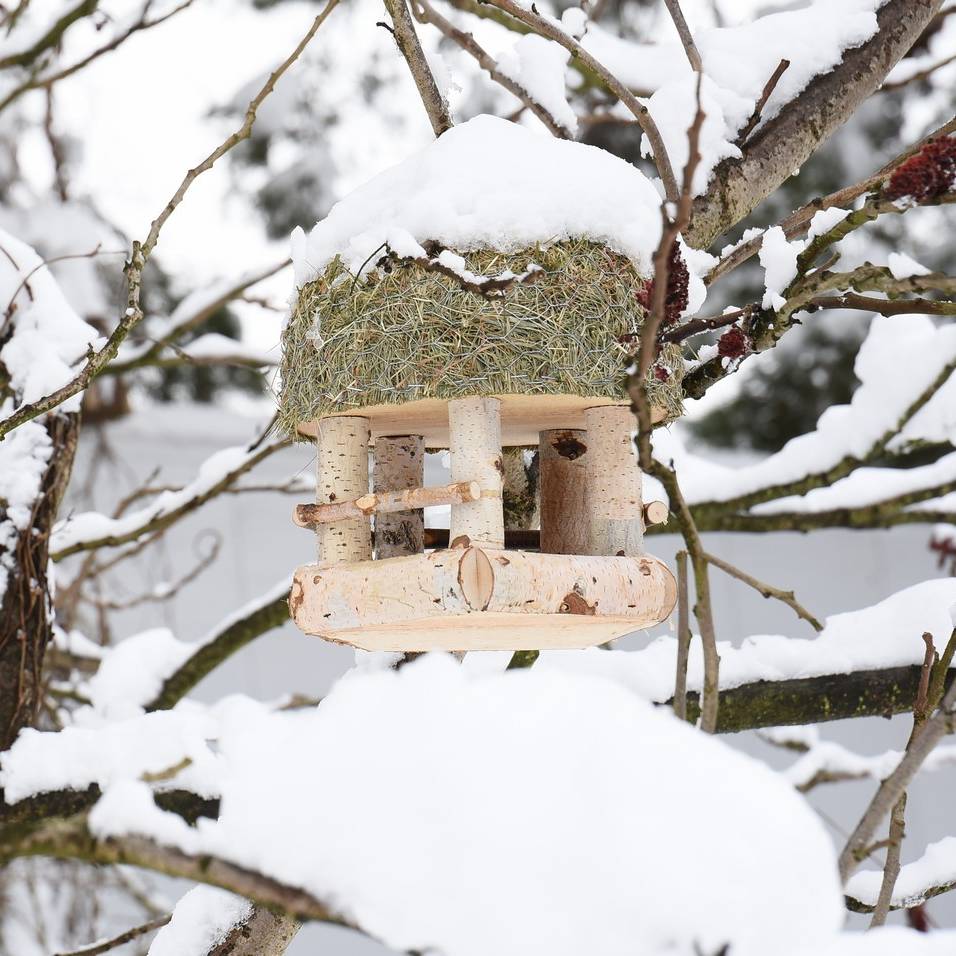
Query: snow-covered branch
{"x": 85, "y": 532}
{"x": 785, "y": 142}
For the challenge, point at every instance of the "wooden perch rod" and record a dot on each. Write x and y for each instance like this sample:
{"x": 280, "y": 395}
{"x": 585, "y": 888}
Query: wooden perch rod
{"x": 384, "y": 502}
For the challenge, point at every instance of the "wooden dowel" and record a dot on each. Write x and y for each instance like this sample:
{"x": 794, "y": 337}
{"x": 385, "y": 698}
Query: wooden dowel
{"x": 385, "y": 502}
{"x": 655, "y": 512}
{"x": 399, "y": 465}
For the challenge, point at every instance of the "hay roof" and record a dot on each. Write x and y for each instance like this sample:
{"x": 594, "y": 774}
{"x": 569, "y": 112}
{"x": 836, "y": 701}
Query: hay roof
{"x": 408, "y": 332}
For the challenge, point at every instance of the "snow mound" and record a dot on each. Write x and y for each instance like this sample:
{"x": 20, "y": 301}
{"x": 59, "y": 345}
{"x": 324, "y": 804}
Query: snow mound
{"x": 201, "y": 920}
{"x": 489, "y": 184}
{"x": 459, "y": 813}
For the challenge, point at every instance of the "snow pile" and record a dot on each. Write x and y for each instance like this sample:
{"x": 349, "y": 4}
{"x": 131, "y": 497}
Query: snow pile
{"x": 903, "y": 267}
{"x": 936, "y": 867}
{"x": 105, "y": 752}
{"x": 539, "y": 66}
{"x": 131, "y": 674}
{"x": 201, "y": 920}
{"x": 889, "y": 941}
{"x": 48, "y": 337}
{"x": 779, "y": 257}
{"x": 596, "y": 820}
{"x": 488, "y": 184}
{"x": 738, "y": 62}
{"x": 44, "y": 338}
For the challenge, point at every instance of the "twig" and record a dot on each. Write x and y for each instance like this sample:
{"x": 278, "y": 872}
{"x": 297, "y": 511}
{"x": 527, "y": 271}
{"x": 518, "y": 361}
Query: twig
{"x": 637, "y": 389}
{"x": 97, "y": 361}
{"x": 864, "y": 303}
{"x": 916, "y": 77}
{"x": 95, "y": 949}
{"x": 768, "y": 89}
{"x": 547, "y": 29}
{"x": 686, "y": 37}
{"x": 767, "y": 590}
{"x": 891, "y": 868}
{"x": 683, "y": 638}
{"x": 425, "y": 13}
{"x": 893, "y": 787}
{"x": 407, "y": 40}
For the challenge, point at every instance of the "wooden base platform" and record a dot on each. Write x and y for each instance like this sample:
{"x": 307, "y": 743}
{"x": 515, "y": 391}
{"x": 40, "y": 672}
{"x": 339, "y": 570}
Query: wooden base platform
{"x": 523, "y": 417}
{"x": 482, "y": 599}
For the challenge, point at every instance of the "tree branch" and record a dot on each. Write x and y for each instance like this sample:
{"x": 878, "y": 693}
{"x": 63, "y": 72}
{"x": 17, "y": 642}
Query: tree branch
{"x": 767, "y": 590}
{"x": 785, "y": 142}
{"x": 407, "y": 40}
{"x": 212, "y": 652}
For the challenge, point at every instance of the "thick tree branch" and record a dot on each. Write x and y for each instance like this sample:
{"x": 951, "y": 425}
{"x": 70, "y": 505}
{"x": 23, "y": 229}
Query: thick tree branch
{"x": 211, "y": 653}
{"x": 785, "y": 142}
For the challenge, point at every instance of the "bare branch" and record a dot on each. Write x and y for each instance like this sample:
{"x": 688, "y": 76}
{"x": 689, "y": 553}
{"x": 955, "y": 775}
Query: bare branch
{"x": 893, "y": 787}
{"x": 683, "y": 638}
{"x": 891, "y": 868}
{"x": 426, "y": 13}
{"x": 407, "y": 40}
{"x": 47, "y": 81}
{"x": 96, "y": 949}
{"x": 686, "y": 38}
{"x": 767, "y": 590}
{"x": 768, "y": 89}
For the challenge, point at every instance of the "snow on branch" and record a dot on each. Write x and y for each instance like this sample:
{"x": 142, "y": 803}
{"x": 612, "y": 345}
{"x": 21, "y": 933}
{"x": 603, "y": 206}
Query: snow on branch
{"x": 933, "y": 874}
{"x": 825, "y": 477}
{"x": 84, "y": 532}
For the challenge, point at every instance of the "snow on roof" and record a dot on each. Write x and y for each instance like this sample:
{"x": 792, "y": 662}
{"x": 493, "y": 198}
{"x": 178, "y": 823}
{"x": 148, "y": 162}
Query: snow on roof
{"x": 490, "y": 184}
{"x": 578, "y": 843}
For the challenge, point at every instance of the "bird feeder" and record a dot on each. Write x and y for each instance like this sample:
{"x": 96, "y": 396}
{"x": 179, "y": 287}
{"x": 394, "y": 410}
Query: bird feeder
{"x": 474, "y": 352}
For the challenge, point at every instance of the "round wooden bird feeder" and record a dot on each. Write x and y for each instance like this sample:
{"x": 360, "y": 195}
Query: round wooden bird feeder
{"x": 474, "y": 352}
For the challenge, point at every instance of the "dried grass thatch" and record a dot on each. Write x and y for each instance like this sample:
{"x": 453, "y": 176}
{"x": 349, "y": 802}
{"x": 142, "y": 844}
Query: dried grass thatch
{"x": 409, "y": 332}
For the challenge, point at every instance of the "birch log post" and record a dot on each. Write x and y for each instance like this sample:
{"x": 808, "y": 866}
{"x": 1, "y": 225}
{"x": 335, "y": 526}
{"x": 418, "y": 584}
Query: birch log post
{"x": 562, "y": 484}
{"x": 475, "y": 446}
{"x": 399, "y": 465}
{"x": 613, "y": 482}
{"x": 342, "y": 474}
